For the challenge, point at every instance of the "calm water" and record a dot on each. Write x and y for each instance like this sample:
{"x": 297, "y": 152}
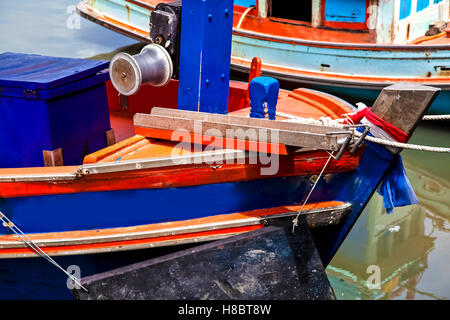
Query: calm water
{"x": 411, "y": 247}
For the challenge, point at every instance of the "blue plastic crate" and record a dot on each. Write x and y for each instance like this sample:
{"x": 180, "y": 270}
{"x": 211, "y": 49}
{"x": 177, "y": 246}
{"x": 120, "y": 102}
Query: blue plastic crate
{"x": 48, "y": 103}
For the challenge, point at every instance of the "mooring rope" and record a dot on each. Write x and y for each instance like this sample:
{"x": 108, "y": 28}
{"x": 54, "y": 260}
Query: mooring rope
{"x": 326, "y": 121}
{"x": 9, "y": 224}
{"x": 437, "y": 117}
{"x": 405, "y": 145}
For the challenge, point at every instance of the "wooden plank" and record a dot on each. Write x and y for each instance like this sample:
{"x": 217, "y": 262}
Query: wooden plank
{"x": 403, "y": 104}
{"x": 283, "y": 267}
{"x": 240, "y": 132}
{"x": 105, "y": 152}
{"x": 53, "y": 158}
{"x": 239, "y": 120}
{"x": 223, "y": 143}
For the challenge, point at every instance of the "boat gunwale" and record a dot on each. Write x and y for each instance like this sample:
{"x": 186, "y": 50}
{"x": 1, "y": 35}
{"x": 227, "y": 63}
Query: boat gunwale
{"x": 273, "y": 38}
{"x": 122, "y": 166}
{"x": 226, "y": 224}
{"x": 342, "y": 80}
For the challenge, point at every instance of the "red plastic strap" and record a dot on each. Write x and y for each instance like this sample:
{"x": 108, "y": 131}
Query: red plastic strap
{"x": 393, "y": 131}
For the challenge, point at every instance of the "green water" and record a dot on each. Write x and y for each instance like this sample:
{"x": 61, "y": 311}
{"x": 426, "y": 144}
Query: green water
{"x": 411, "y": 247}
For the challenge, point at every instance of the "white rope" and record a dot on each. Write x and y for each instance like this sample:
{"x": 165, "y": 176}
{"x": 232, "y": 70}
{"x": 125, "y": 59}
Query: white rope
{"x": 9, "y": 224}
{"x": 405, "y": 145}
{"x": 437, "y": 117}
{"x": 327, "y": 121}
{"x": 322, "y": 121}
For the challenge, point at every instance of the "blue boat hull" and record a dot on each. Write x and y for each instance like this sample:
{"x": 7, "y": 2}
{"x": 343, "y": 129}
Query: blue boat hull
{"x": 35, "y": 278}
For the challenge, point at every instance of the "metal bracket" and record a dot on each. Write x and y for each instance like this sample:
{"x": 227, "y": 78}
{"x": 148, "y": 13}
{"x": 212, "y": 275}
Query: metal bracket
{"x": 123, "y": 101}
{"x": 30, "y": 93}
{"x": 344, "y": 145}
{"x": 360, "y": 140}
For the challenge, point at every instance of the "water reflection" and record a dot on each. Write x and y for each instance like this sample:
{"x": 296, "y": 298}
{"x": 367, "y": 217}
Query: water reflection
{"x": 53, "y": 28}
{"x": 409, "y": 246}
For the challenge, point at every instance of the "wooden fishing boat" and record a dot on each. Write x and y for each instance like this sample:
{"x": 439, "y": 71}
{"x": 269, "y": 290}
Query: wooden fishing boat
{"x": 351, "y": 49}
{"x": 167, "y": 182}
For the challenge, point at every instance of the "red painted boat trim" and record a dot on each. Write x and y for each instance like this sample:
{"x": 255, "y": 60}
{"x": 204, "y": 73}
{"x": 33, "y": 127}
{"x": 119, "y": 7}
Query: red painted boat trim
{"x": 364, "y": 82}
{"x": 122, "y": 245}
{"x": 223, "y": 143}
{"x": 306, "y": 163}
{"x": 159, "y": 234}
{"x": 259, "y": 30}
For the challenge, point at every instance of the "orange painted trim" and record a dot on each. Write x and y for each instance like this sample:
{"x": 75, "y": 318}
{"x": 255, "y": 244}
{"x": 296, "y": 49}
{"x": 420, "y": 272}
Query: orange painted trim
{"x": 126, "y": 243}
{"x": 335, "y": 108}
{"x": 345, "y": 25}
{"x": 99, "y": 233}
{"x": 116, "y": 23}
{"x": 323, "y": 44}
{"x": 173, "y": 224}
{"x": 340, "y": 77}
{"x": 224, "y": 143}
{"x": 427, "y": 38}
{"x": 125, "y": 151}
{"x": 122, "y": 145}
{"x": 140, "y": 4}
{"x": 305, "y": 163}
{"x": 322, "y": 107}
{"x": 255, "y": 71}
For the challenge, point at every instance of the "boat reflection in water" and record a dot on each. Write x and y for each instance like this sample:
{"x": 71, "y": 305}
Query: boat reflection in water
{"x": 408, "y": 246}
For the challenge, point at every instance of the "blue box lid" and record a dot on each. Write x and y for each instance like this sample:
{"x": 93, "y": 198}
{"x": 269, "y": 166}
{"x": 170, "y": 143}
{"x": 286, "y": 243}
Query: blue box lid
{"x": 21, "y": 73}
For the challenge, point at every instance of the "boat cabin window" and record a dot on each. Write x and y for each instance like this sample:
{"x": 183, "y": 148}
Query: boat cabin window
{"x": 348, "y": 14}
{"x": 339, "y": 14}
{"x": 245, "y": 3}
{"x": 285, "y": 10}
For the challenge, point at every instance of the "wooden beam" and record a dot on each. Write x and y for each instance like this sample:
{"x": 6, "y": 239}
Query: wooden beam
{"x": 404, "y": 104}
{"x": 239, "y": 131}
{"x": 239, "y": 120}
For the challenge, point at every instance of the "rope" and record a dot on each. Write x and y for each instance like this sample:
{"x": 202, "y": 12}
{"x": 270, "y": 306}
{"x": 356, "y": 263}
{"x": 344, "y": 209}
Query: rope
{"x": 405, "y": 145}
{"x": 322, "y": 121}
{"x": 326, "y": 121}
{"x": 9, "y": 224}
{"x": 437, "y": 117}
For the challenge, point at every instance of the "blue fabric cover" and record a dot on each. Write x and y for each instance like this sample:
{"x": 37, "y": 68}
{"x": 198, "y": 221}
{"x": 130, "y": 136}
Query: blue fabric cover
{"x": 395, "y": 187}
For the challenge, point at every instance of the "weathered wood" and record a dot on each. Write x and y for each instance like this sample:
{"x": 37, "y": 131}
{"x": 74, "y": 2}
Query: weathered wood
{"x": 403, "y": 104}
{"x": 110, "y": 137}
{"x": 239, "y": 120}
{"x": 268, "y": 263}
{"x": 53, "y": 158}
{"x": 240, "y": 132}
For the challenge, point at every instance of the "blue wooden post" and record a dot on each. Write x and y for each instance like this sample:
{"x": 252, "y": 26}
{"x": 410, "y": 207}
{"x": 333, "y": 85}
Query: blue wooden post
{"x": 205, "y": 53}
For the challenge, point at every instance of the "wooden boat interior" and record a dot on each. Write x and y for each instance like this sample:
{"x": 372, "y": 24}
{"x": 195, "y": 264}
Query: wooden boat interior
{"x": 129, "y": 146}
